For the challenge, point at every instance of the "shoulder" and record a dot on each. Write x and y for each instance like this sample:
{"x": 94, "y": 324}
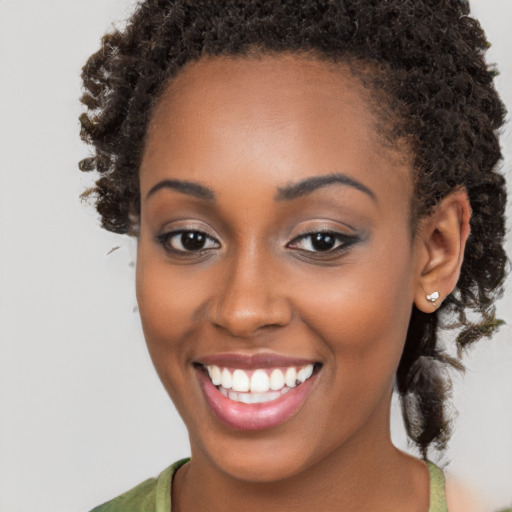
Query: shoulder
{"x": 152, "y": 495}
{"x": 460, "y": 498}
{"x": 141, "y": 499}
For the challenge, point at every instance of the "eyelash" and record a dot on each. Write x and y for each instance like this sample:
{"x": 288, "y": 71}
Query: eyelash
{"x": 342, "y": 242}
{"x": 165, "y": 240}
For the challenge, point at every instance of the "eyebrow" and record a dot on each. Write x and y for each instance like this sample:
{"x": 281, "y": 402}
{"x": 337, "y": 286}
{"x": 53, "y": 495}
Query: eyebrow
{"x": 309, "y": 185}
{"x": 185, "y": 187}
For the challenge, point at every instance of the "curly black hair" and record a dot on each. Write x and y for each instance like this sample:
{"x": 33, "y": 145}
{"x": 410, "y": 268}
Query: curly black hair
{"x": 424, "y": 57}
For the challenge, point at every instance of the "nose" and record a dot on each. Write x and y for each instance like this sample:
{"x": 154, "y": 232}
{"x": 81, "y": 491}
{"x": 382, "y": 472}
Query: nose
{"x": 250, "y": 298}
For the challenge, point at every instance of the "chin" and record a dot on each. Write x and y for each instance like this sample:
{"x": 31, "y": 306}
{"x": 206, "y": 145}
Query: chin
{"x": 262, "y": 466}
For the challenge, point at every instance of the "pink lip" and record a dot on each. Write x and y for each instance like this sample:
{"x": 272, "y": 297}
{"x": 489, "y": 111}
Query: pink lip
{"x": 252, "y": 361}
{"x": 240, "y": 416}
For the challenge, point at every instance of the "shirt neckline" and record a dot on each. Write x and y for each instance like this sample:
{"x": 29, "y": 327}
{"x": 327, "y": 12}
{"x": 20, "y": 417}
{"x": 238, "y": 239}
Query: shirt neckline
{"x": 437, "y": 494}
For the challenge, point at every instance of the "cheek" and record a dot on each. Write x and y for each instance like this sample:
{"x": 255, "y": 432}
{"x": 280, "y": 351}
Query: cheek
{"x": 165, "y": 298}
{"x": 164, "y": 307}
{"x": 360, "y": 327}
{"x": 362, "y": 313}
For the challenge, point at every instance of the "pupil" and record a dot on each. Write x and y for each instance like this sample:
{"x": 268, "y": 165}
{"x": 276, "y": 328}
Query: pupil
{"x": 193, "y": 240}
{"x": 323, "y": 241}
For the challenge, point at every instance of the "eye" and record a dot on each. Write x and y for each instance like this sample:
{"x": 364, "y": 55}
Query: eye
{"x": 187, "y": 241}
{"x": 322, "y": 242}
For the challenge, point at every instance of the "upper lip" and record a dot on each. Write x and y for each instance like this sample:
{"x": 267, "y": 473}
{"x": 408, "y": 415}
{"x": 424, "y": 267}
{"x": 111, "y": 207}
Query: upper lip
{"x": 252, "y": 361}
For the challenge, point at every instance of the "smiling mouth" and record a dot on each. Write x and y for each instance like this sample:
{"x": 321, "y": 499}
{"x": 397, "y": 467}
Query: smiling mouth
{"x": 258, "y": 391}
{"x": 260, "y": 385}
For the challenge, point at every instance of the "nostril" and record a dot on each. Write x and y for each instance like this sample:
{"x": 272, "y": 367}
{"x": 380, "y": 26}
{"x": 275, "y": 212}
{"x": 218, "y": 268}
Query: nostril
{"x": 247, "y": 299}
{"x": 244, "y": 321}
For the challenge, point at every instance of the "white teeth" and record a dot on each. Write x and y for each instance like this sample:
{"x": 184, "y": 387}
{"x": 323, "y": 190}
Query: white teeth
{"x": 252, "y": 398}
{"x": 215, "y": 375}
{"x": 276, "y": 379}
{"x": 304, "y": 373}
{"x": 291, "y": 377}
{"x": 300, "y": 375}
{"x": 226, "y": 381}
{"x": 308, "y": 371}
{"x": 260, "y": 387}
{"x": 260, "y": 382}
{"x": 240, "y": 381}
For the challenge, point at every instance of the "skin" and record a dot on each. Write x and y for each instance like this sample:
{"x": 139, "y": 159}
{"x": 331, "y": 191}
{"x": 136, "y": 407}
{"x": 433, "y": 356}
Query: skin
{"x": 246, "y": 128}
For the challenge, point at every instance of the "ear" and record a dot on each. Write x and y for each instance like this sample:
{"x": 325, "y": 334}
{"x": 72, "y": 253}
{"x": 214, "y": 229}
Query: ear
{"x": 440, "y": 243}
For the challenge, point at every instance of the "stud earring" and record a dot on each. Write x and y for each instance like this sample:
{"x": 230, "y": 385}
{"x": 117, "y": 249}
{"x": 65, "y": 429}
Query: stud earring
{"x": 432, "y": 298}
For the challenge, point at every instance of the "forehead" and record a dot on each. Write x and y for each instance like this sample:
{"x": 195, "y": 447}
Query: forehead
{"x": 286, "y": 114}
{"x": 270, "y": 79}
{"x": 284, "y": 89}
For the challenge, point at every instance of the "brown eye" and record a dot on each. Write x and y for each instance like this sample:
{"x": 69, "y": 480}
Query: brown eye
{"x": 322, "y": 242}
{"x": 187, "y": 241}
{"x": 193, "y": 240}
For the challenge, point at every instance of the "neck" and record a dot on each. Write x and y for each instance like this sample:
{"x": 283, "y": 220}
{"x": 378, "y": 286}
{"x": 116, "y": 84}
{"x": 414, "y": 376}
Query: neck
{"x": 365, "y": 473}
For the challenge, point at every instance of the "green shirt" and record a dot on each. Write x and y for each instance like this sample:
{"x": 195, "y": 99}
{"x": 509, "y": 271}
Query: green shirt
{"x": 154, "y": 495}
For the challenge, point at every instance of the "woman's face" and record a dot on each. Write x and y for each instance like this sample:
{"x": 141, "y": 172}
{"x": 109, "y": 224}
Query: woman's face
{"x": 274, "y": 241}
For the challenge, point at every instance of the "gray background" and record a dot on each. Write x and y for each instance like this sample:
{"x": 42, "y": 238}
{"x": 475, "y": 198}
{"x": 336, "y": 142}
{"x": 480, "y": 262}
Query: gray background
{"x": 83, "y": 416}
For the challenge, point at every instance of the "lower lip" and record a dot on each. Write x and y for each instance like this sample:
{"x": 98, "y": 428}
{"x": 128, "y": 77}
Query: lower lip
{"x": 240, "y": 416}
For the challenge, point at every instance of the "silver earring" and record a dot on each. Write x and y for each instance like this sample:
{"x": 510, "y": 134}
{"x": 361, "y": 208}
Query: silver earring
{"x": 432, "y": 298}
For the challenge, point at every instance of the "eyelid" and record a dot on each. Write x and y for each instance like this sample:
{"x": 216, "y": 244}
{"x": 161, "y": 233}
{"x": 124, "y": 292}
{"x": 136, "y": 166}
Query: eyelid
{"x": 188, "y": 224}
{"x": 324, "y": 226}
{"x": 166, "y": 235}
{"x": 173, "y": 233}
{"x": 343, "y": 241}
{"x": 335, "y": 234}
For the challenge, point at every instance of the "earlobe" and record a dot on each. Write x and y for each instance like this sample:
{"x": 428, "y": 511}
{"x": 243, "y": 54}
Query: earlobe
{"x": 441, "y": 240}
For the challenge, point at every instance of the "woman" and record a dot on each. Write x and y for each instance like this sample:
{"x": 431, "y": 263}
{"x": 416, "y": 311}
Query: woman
{"x": 314, "y": 192}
